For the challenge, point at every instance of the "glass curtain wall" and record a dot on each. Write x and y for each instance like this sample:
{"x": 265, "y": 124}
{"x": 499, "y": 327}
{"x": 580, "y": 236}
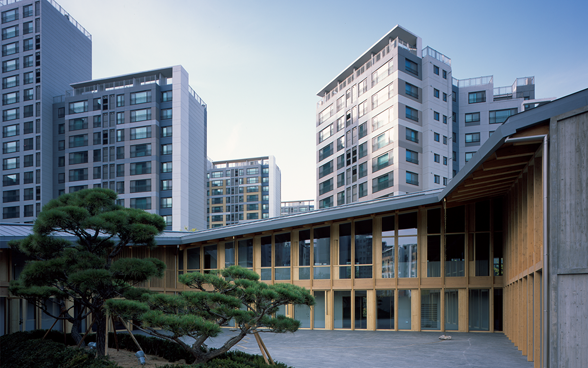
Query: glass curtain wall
{"x": 430, "y": 309}
{"x": 245, "y": 253}
{"x": 266, "y": 258}
{"x": 322, "y": 253}
{"x": 479, "y": 310}
{"x": 385, "y": 309}
{"x": 451, "y": 310}
{"x": 404, "y": 309}
{"x": 388, "y": 241}
{"x": 363, "y": 250}
{"x": 282, "y": 257}
{"x": 345, "y": 251}
{"x": 434, "y": 242}
{"x": 304, "y": 255}
{"x": 407, "y": 244}
{"x": 319, "y": 309}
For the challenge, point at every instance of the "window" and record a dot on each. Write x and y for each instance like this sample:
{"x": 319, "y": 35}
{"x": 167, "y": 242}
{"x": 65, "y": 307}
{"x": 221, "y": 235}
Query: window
{"x": 325, "y": 114}
{"x": 28, "y": 111}
{"x": 382, "y": 95}
{"x": 10, "y": 130}
{"x": 11, "y": 114}
{"x": 436, "y": 137}
{"x": 326, "y": 169}
{"x": 412, "y": 91}
{"x": 9, "y": 82}
{"x": 468, "y": 156}
{"x": 252, "y": 189}
{"x": 363, "y": 151}
{"x": 10, "y": 65}
{"x": 444, "y": 119}
{"x": 412, "y": 178}
{"x": 363, "y": 171}
{"x": 28, "y": 95}
{"x": 10, "y": 49}
{"x": 166, "y": 184}
{"x": 444, "y": 139}
{"x": 362, "y": 109}
{"x": 138, "y": 186}
{"x": 78, "y": 174}
{"x": 166, "y": 149}
{"x": 141, "y": 150}
{"x": 78, "y": 124}
{"x": 476, "y": 97}
{"x": 382, "y": 182}
{"x": 10, "y": 15}
{"x": 27, "y": 144}
{"x": 252, "y": 180}
{"x": 10, "y": 147}
{"x": 412, "y": 114}
{"x": 78, "y": 107}
{"x": 80, "y": 140}
{"x": 141, "y": 132}
{"x": 381, "y": 140}
{"x": 166, "y": 202}
{"x": 363, "y": 190}
{"x": 382, "y": 161}
{"x": 472, "y": 117}
{"x": 28, "y": 127}
{"x": 10, "y": 32}
{"x": 412, "y": 135}
{"x": 436, "y": 115}
{"x": 166, "y": 114}
{"x": 61, "y": 145}
{"x": 326, "y": 202}
{"x": 326, "y": 133}
{"x": 325, "y": 186}
{"x": 252, "y": 171}
{"x": 362, "y": 87}
{"x": 381, "y": 119}
{"x": 411, "y": 67}
{"x": 500, "y": 116}
{"x": 340, "y": 143}
{"x": 445, "y": 160}
{"x": 166, "y": 96}
{"x": 120, "y": 118}
{"x": 444, "y": 97}
{"x": 140, "y": 97}
{"x": 436, "y": 158}
{"x": 444, "y": 74}
{"x": 27, "y": 45}
{"x": 166, "y": 167}
{"x": 141, "y": 203}
{"x": 325, "y": 152}
{"x": 472, "y": 138}
{"x": 120, "y": 135}
{"x": 27, "y": 27}
{"x": 11, "y": 163}
{"x": 436, "y": 69}
{"x": 141, "y": 168}
{"x": 412, "y": 156}
{"x": 78, "y": 157}
{"x": 166, "y": 132}
{"x": 436, "y": 179}
{"x": 436, "y": 92}
{"x": 140, "y": 115}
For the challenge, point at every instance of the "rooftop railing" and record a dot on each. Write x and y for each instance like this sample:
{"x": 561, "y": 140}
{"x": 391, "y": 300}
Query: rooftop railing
{"x": 437, "y": 55}
{"x": 525, "y": 81}
{"x": 471, "y": 82}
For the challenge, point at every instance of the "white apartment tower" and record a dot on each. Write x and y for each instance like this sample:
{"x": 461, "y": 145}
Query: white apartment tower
{"x": 383, "y": 124}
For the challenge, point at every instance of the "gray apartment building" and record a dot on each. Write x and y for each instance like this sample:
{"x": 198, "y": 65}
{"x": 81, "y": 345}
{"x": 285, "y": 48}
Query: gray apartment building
{"x": 44, "y": 49}
{"x": 294, "y": 207}
{"x": 243, "y": 190}
{"x": 396, "y": 121}
{"x": 142, "y": 135}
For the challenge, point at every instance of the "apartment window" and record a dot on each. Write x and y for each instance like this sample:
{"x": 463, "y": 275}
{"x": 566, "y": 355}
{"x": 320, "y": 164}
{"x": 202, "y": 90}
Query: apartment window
{"x": 477, "y": 97}
{"x": 28, "y": 128}
{"x": 120, "y": 118}
{"x": 141, "y": 203}
{"x": 412, "y": 135}
{"x": 166, "y": 167}
{"x": 412, "y": 114}
{"x": 468, "y": 156}
{"x": 78, "y": 157}
{"x": 9, "y": 82}
{"x": 454, "y": 156}
{"x": 436, "y": 137}
{"x": 120, "y": 135}
{"x": 444, "y": 74}
{"x": 78, "y": 124}
{"x": 445, "y": 160}
{"x": 252, "y": 189}
{"x": 27, "y": 45}
{"x": 140, "y": 97}
{"x": 362, "y": 87}
{"x": 141, "y": 150}
{"x": 340, "y": 180}
{"x": 411, "y": 67}
{"x": 10, "y": 147}
{"x": 166, "y": 96}
{"x": 472, "y": 138}
{"x": 28, "y": 160}
{"x": 166, "y": 114}
{"x": 436, "y": 179}
{"x": 341, "y": 198}
{"x": 362, "y": 150}
{"x": 78, "y": 107}
{"x": 326, "y": 151}
{"x": 166, "y": 149}
{"x": 363, "y": 170}
{"x": 9, "y": 15}
{"x": 436, "y": 158}
{"x": 362, "y": 109}
{"x": 341, "y": 123}
{"x": 436, "y": 92}
{"x": 381, "y": 140}
{"x": 27, "y": 27}
{"x": 326, "y": 169}
{"x": 28, "y": 194}
{"x": 436, "y": 115}
{"x": 444, "y": 119}
{"x": 326, "y": 202}
{"x": 326, "y": 133}
{"x": 140, "y": 115}
{"x": 444, "y": 96}
{"x": 382, "y": 161}
{"x": 10, "y": 114}
{"x": 11, "y": 163}
{"x": 141, "y": 168}
{"x": 10, "y": 131}
{"x": 382, "y": 182}
{"x": 325, "y": 186}
{"x": 166, "y": 202}
{"x": 78, "y": 174}
{"x": 120, "y": 170}
{"x": 28, "y": 96}
{"x": 500, "y": 116}
{"x": 412, "y": 178}
{"x": 61, "y": 145}
{"x": 444, "y": 181}
{"x": 444, "y": 139}
{"x": 138, "y": 186}
{"x": 141, "y": 132}
{"x": 382, "y": 95}
{"x": 436, "y": 69}
{"x": 166, "y": 184}
{"x": 411, "y": 90}
{"x": 340, "y": 143}
{"x": 120, "y": 100}
{"x": 11, "y": 32}
{"x": 412, "y": 156}
{"x": 340, "y": 161}
{"x": 472, "y": 117}
{"x": 28, "y": 111}
{"x": 10, "y": 65}
{"x": 363, "y": 190}
{"x": 10, "y": 49}
{"x": 80, "y": 140}
{"x": 28, "y": 177}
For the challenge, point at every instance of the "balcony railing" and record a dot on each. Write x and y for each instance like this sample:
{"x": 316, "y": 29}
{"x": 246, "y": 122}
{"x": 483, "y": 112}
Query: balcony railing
{"x": 437, "y": 55}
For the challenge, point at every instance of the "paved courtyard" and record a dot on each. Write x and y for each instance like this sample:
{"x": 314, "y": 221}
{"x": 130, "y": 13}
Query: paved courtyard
{"x": 384, "y": 349}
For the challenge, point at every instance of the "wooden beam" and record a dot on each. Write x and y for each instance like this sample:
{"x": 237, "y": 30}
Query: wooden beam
{"x": 536, "y": 130}
{"x": 489, "y": 188}
{"x": 469, "y": 196}
{"x": 472, "y": 182}
{"x": 509, "y": 162}
{"x": 481, "y": 174}
{"x": 516, "y": 151}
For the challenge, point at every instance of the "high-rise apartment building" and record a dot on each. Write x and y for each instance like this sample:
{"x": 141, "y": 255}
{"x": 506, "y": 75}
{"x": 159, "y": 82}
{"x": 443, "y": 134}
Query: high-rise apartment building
{"x": 142, "y": 135}
{"x": 396, "y": 121}
{"x": 383, "y": 123}
{"x": 243, "y": 190}
{"x": 44, "y": 49}
{"x": 294, "y": 207}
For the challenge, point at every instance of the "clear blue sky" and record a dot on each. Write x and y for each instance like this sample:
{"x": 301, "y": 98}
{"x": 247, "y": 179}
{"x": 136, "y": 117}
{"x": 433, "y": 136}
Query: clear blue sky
{"x": 259, "y": 64}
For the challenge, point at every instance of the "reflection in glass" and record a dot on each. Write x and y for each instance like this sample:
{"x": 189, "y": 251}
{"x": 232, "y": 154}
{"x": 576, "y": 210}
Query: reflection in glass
{"x": 385, "y": 312}
{"x": 210, "y": 257}
{"x": 302, "y": 313}
{"x": 434, "y": 221}
{"x": 193, "y": 258}
{"x": 388, "y": 226}
{"x": 407, "y": 256}
{"x": 319, "y": 309}
{"x": 229, "y": 254}
{"x": 245, "y": 253}
{"x": 266, "y": 257}
{"x": 360, "y": 309}
{"x": 498, "y": 260}
{"x": 479, "y": 310}
{"x": 342, "y": 306}
{"x": 322, "y": 252}
{"x": 433, "y": 256}
{"x": 344, "y": 251}
{"x": 282, "y": 251}
{"x": 407, "y": 224}
{"x": 363, "y": 249}
{"x": 451, "y": 310}
{"x": 304, "y": 255}
{"x": 430, "y": 309}
{"x": 404, "y": 310}
{"x": 482, "y": 254}
{"x": 454, "y": 255}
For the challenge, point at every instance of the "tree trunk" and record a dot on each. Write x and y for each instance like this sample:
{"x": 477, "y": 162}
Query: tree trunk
{"x": 223, "y": 349}
{"x": 75, "y": 334}
{"x": 101, "y": 333}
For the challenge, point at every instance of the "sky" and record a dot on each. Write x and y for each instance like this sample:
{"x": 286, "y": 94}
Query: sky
{"x": 259, "y": 64}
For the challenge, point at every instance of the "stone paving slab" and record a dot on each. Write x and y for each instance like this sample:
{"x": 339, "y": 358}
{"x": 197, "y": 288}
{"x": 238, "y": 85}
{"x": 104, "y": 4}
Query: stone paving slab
{"x": 384, "y": 349}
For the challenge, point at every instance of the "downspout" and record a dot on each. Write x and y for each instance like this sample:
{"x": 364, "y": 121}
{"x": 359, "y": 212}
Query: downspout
{"x": 544, "y": 272}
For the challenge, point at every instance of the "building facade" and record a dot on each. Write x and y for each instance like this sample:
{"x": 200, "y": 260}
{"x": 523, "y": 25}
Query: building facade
{"x": 44, "y": 49}
{"x": 142, "y": 135}
{"x": 294, "y": 207}
{"x": 243, "y": 190}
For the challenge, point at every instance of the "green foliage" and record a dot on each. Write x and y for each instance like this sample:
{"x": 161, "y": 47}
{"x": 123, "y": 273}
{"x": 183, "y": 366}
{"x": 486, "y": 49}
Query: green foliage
{"x": 26, "y": 349}
{"x": 232, "y": 359}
